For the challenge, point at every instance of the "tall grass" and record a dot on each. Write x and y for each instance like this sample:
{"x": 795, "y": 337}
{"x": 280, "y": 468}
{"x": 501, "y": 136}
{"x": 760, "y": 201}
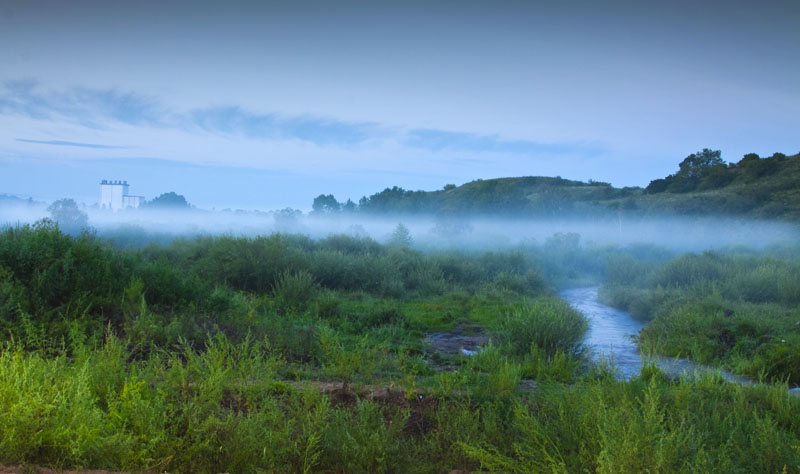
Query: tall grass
{"x": 549, "y": 324}
{"x": 649, "y": 426}
{"x": 223, "y": 409}
{"x": 735, "y": 309}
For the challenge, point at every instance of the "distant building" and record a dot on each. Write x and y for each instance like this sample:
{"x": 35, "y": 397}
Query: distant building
{"x": 114, "y": 196}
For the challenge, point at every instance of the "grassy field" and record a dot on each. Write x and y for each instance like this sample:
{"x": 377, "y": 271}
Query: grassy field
{"x": 287, "y": 354}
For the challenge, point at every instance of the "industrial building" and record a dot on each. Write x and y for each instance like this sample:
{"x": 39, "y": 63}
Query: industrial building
{"x": 114, "y": 196}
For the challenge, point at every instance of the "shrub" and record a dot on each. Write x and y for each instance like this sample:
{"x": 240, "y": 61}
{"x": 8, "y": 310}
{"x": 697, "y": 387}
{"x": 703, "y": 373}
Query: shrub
{"x": 327, "y": 306}
{"x": 293, "y": 291}
{"x": 549, "y": 323}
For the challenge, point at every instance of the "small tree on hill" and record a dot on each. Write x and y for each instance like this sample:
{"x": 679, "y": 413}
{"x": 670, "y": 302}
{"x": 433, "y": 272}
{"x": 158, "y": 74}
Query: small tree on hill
{"x": 693, "y": 168}
{"x": 695, "y": 164}
{"x": 691, "y": 171}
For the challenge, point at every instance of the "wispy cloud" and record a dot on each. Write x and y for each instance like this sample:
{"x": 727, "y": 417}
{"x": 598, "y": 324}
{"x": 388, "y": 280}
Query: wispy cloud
{"x": 75, "y": 144}
{"x": 320, "y": 131}
{"x": 439, "y": 140}
{"x": 102, "y": 108}
{"x": 105, "y": 120}
{"x": 86, "y": 106}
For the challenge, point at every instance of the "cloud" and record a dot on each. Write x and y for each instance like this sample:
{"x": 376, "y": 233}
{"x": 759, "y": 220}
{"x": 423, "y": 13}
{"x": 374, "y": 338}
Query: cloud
{"x": 319, "y": 131}
{"x": 86, "y": 106}
{"x": 80, "y": 123}
{"x": 18, "y": 97}
{"x": 76, "y": 144}
{"x": 102, "y": 108}
{"x": 439, "y": 140}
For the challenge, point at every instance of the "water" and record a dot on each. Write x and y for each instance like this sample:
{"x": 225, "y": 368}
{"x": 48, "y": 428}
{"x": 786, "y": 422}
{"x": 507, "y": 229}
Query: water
{"x": 612, "y": 334}
{"x": 611, "y": 331}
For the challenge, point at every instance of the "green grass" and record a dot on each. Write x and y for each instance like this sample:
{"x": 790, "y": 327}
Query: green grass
{"x": 286, "y": 354}
{"x": 220, "y": 409}
{"x": 735, "y": 310}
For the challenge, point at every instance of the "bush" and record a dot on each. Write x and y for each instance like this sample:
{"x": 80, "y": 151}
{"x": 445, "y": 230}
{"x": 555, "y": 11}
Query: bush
{"x": 550, "y": 324}
{"x": 293, "y": 291}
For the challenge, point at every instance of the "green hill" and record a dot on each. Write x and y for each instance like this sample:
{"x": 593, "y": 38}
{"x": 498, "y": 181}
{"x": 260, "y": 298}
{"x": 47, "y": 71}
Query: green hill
{"x": 539, "y": 196}
{"x": 755, "y": 186}
{"x": 703, "y": 185}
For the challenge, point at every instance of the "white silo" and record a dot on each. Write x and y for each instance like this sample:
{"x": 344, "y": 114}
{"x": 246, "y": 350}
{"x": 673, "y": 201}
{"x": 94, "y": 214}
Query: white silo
{"x": 114, "y": 195}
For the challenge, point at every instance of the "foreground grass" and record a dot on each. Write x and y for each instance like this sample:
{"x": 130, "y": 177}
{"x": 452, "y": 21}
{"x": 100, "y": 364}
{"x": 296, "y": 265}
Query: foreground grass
{"x": 226, "y": 409}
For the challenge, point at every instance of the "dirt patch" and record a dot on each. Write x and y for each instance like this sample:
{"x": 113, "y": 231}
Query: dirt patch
{"x": 419, "y": 405}
{"x": 463, "y": 339}
{"x": 382, "y": 394}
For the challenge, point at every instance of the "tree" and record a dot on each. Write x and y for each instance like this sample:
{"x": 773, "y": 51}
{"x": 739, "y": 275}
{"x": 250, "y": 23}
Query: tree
{"x": 169, "y": 200}
{"x": 715, "y": 177}
{"x": 749, "y": 158}
{"x": 693, "y": 168}
{"x": 694, "y": 165}
{"x": 325, "y": 204}
{"x": 69, "y": 217}
{"x": 349, "y": 206}
{"x": 659, "y": 185}
{"x": 287, "y": 219}
{"x": 401, "y": 237}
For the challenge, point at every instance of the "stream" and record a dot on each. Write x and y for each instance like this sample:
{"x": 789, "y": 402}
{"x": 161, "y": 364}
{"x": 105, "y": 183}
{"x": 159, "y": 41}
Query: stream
{"x": 611, "y": 338}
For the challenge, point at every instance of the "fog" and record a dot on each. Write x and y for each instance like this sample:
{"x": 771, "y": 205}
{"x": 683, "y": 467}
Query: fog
{"x": 138, "y": 227}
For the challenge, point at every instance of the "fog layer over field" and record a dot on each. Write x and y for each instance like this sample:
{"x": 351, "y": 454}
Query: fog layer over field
{"x": 141, "y": 226}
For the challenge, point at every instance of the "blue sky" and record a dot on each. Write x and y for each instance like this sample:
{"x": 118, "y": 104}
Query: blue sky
{"x": 266, "y": 105}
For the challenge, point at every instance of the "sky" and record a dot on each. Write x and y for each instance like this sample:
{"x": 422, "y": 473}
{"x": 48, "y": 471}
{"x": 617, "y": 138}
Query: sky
{"x": 265, "y": 105}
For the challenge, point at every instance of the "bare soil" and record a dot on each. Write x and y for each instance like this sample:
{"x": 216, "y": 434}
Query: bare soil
{"x": 461, "y": 338}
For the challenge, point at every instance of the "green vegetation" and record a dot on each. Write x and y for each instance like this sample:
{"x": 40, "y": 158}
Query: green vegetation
{"x": 287, "y": 354}
{"x": 755, "y": 186}
{"x": 69, "y": 217}
{"x": 534, "y": 196}
{"x": 734, "y": 309}
{"x": 704, "y": 185}
{"x": 170, "y": 200}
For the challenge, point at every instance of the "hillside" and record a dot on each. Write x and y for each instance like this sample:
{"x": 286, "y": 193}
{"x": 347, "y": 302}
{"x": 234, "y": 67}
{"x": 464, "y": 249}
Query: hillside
{"x": 540, "y": 196}
{"x": 755, "y": 186}
{"x": 704, "y": 185}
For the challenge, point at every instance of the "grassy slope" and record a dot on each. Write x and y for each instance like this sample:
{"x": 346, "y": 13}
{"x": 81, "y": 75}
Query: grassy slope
{"x": 766, "y": 188}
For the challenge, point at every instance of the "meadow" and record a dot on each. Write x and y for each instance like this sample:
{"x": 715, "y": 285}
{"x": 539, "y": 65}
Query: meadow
{"x": 284, "y": 353}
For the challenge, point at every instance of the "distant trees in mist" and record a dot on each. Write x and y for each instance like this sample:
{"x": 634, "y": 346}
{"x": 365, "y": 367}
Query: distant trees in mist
{"x": 70, "y": 219}
{"x": 703, "y": 185}
{"x": 170, "y": 200}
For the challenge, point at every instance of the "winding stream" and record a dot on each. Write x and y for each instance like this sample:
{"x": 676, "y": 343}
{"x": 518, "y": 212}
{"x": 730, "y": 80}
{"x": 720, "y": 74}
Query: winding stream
{"x": 611, "y": 338}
